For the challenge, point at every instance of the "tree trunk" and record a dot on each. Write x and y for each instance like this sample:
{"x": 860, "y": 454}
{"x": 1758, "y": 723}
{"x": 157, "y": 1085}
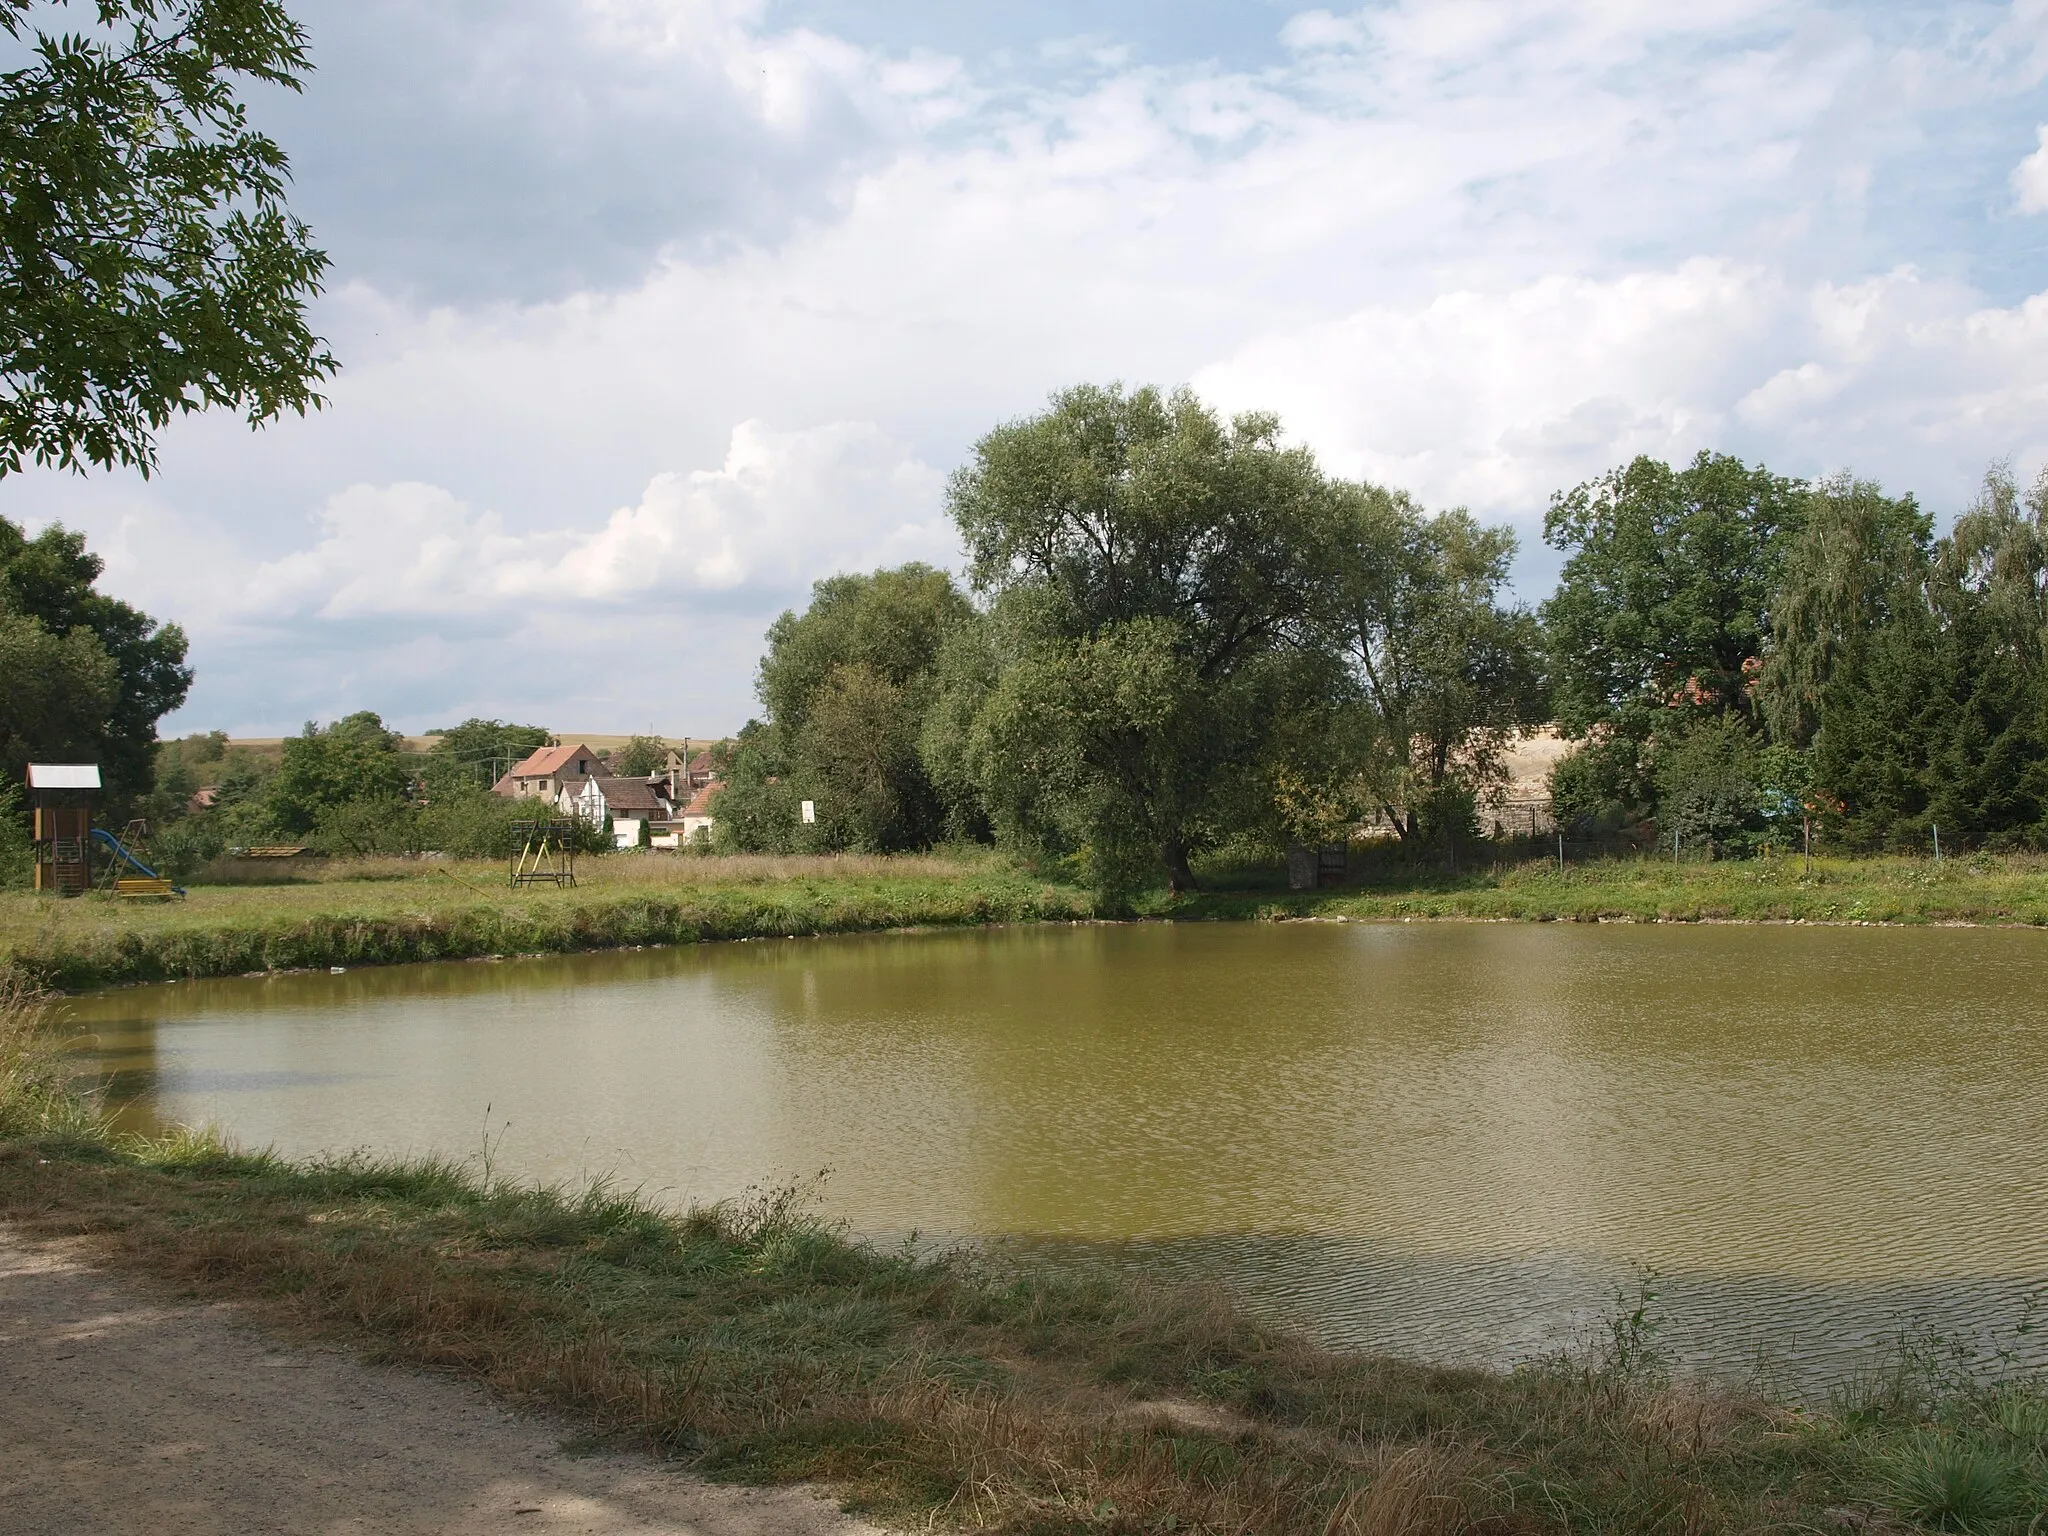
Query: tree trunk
{"x": 1179, "y": 878}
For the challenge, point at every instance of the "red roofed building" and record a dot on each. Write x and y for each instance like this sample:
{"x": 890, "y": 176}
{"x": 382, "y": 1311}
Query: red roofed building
{"x": 544, "y": 772}
{"x": 696, "y": 816}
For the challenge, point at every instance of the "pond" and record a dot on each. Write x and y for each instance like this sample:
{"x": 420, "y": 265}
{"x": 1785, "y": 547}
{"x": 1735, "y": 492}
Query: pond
{"x": 1455, "y": 1142}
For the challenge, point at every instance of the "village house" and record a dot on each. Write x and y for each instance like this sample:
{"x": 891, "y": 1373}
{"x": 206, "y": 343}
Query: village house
{"x": 685, "y": 775}
{"x": 636, "y": 806}
{"x": 663, "y": 810}
{"x": 545, "y": 772}
{"x": 696, "y": 816}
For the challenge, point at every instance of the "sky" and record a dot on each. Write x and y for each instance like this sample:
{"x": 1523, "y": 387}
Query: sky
{"x": 653, "y": 312}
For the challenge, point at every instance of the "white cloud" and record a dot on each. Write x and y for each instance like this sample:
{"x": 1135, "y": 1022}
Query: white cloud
{"x": 1481, "y": 250}
{"x": 784, "y": 508}
{"x": 1495, "y": 399}
{"x": 409, "y": 599}
{"x": 2030, "y": 178}
{"x": 1492, "y": 399}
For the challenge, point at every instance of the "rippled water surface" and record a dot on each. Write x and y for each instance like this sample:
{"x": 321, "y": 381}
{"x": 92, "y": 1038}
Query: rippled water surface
{"x": 1452, "y": 1141}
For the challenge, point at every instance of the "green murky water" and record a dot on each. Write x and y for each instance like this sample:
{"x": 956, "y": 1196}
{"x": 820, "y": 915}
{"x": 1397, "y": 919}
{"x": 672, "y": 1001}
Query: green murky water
{"x": 1448, "y": 1141}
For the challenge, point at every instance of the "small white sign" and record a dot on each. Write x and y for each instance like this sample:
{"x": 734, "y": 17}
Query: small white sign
{"x": 810, "y": 812}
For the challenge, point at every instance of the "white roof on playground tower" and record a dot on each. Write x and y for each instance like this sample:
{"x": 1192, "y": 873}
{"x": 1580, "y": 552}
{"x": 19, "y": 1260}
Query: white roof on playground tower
{"x": 63, "y": 775}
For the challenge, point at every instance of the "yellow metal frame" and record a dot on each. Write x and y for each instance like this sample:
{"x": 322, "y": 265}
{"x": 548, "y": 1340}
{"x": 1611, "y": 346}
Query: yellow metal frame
{"x": 547, "y": 856}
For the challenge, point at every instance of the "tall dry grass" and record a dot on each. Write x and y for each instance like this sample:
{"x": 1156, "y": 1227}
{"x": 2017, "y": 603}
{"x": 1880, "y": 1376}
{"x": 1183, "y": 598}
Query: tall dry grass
{"x": 34, "y": 1074}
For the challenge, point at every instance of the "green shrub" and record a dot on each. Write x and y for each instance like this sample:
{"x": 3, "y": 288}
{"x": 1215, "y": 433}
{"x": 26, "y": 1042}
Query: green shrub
{"x": 1707, "y": 784}
{"x": 183, "y": 848}
{"x": 1599, "y": 786}
{"x": 17, "y": 854}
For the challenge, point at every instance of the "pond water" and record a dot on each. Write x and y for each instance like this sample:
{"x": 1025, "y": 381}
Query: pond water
{"x": 1448, "y": 1141}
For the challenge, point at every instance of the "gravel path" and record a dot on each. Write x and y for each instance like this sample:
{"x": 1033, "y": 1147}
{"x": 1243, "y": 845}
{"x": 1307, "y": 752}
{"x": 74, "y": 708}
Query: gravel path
{"x": 123, "y": 1414}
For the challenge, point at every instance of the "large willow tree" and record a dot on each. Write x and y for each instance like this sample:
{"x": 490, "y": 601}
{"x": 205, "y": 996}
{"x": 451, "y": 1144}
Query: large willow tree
{"x": 1151, "y": 569}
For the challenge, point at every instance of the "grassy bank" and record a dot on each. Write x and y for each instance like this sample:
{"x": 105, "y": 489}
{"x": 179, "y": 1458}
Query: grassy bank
{"x": 1980, "y": 889}
{"x": 757, "y": 1343}
{"x": 390, "y": 911}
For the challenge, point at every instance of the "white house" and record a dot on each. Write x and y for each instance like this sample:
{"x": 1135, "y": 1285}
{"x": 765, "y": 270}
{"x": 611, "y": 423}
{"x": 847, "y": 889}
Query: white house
{"x": 632, "y": 804}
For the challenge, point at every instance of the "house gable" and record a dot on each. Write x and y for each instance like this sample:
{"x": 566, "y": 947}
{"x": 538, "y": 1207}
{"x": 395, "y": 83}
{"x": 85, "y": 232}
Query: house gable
{"x": 547, "y": 770}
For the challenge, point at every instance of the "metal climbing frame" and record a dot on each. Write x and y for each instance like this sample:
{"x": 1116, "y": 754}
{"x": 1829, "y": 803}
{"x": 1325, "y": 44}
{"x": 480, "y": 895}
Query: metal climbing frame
{"x": 546, "y": 852}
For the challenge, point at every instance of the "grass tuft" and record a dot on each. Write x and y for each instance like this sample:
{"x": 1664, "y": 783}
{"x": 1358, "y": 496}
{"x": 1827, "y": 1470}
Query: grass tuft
{"x": 1950, "y": 1484}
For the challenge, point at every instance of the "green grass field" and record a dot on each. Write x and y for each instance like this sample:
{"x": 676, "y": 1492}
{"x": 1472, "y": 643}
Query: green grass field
{"x": 393, "y": 910}
{"x": 2011, "y": 888}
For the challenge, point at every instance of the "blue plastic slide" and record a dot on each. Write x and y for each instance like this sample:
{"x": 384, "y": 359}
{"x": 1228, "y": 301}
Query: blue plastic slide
{"x": 102, "y": 835}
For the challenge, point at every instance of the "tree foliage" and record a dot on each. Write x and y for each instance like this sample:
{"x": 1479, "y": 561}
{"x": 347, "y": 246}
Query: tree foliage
{"x": 1450, "y": 674}
{"x": 82, "y": 675}
{"x": 1938, "y": 715}
{"x": 1854, "y": 567}
{"x": 55, "y": 693}
{"x": 336, "y": 771}
{"x": 1661, "y": 618}
{"x": 846, "y": 685}
{"x": 149, "y": 265}
{"x": 1153, "y": 567}
{"x": 477, "y": 753}
{"x": 1188, "y": 635}
{"x": 1665, "y": 599}
{"x": 638, "y": 756}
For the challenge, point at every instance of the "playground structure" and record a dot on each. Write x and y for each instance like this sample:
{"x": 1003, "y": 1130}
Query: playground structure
{"x": 61, "y": 794}
{"x": 127, "y": 849}
{"x": 65, "y": 836}
{"x": 546, "y": 854}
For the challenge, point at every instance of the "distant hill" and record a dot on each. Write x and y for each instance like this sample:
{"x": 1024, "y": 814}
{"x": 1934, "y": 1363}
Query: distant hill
{"x": 603, "y": 741}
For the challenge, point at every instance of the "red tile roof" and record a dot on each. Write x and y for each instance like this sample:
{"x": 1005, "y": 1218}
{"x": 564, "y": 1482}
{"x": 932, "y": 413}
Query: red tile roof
{"x": 700, "y": 802}
{"x": 549, "y": 761}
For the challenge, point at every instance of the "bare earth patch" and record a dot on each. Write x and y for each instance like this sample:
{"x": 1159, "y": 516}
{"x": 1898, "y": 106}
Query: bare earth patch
{"x": 120, "y": 1414}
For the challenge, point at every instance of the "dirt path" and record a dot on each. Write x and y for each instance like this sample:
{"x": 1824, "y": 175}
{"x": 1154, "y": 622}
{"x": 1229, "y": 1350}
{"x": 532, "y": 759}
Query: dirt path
{"x": 120, "y": 1414}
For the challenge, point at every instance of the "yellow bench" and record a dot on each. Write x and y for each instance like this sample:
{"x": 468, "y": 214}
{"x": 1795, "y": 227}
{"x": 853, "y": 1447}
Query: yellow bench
{"x": 139, "y": 887}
